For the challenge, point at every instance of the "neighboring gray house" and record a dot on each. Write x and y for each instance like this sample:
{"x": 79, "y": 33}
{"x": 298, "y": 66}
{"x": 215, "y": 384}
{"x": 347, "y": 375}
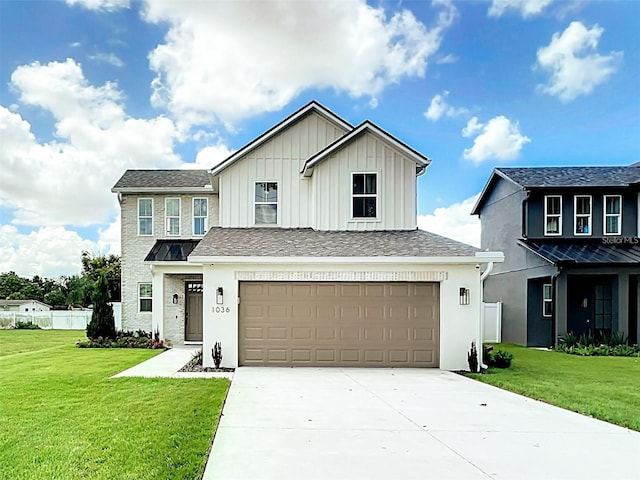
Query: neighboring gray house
{"x": 572, "y": 252}
{"x": 299, "y": 249}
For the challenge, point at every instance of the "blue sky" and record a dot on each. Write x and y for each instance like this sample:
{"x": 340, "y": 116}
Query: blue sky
{"x": 89, "y": 88}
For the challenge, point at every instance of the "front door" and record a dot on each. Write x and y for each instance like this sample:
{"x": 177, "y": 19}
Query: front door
{"x": 193, "y": 312}
{"x": 590, "y": 304}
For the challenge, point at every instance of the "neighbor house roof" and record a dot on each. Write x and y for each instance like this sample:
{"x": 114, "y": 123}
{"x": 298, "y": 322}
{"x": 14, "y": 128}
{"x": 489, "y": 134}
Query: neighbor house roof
{"x": 561, "y": 177}
{"x": 8, "y": 303}
{"x": 306, "y": 242}
{"x": 163, "y": 180}
{"x": 421, "y": 161}
{"x": 312, "y": 106}
{"x": 171, "y": 250}
{"x": 587, "y": 252}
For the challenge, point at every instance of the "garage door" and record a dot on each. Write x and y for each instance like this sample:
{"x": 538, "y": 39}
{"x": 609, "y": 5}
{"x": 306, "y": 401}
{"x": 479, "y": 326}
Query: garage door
{"x": 339, "y": 324}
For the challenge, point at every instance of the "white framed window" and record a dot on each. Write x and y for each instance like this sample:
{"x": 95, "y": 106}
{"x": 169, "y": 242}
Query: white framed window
{"x": 582, "y": 215}
{"x": 172, "y": 216}
{"x": 364, "y": 195}
{"x": 266, "y": 203}
{"x": 547, "y": 300}
{"x": 145, "y": 216}
{"x": 145, "y": 297}
{"x": 553, "y": 215}
{"x": 200, "y": 216}
{"x": 612, "y": 214}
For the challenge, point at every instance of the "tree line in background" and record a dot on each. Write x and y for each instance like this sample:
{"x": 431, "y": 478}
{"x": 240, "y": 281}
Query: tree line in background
{"x": 74, "y": 290}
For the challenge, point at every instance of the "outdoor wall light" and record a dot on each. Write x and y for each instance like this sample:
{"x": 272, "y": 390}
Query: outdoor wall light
{"x": 464, "y": 296}
{"x": 175, "y": 299}
{"x": 219, "y": 296}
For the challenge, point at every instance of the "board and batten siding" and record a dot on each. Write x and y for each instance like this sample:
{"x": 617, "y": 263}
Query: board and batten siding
{"x": 396, "y": 187}
{"x": 278, "y": 160}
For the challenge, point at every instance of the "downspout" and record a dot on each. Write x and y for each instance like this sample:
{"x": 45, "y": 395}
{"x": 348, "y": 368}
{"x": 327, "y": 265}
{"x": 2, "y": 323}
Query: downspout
{"x": 484, "y": 275}
{"x": 554, "y": 290}
{"x": 524, "y": 213}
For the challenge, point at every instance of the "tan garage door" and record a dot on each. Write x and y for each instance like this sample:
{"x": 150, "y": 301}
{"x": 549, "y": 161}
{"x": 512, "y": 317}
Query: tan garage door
{"x": 339, "y": 324}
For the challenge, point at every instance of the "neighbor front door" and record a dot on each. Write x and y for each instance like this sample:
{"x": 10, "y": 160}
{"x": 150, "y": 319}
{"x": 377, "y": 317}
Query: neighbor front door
{"x": 193, "y": 312}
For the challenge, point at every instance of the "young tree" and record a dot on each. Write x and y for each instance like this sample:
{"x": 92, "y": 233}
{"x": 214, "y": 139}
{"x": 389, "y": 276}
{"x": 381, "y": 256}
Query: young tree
{"x": 102, "y": 322}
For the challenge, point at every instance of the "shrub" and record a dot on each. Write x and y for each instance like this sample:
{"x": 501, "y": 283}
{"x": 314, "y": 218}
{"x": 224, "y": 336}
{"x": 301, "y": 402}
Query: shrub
{"x": 615, "y": 344}
{"x": 102, "y": 323}
{"x": 499, "y": 359}
{"x": 124, "y": 339}
{"x": 26, "y": 326}
{"x": 216, "y": 352}
{"x": 472, "y": 358}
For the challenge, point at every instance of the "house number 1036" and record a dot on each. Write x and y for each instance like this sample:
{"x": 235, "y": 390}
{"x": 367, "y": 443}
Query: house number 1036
{"x": 220, "y": 309}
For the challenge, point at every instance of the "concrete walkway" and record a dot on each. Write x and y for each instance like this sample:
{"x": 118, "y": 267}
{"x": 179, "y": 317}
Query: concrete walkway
{"x": 332, "y": 423}
{"x": 168, "y": 363}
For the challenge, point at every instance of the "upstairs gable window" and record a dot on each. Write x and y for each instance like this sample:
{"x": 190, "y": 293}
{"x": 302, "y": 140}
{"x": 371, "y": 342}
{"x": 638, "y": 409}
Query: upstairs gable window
{"x": 266, "y": 203}
{"x": 200, "y": 208}
{"x": 553, "y": 215}
{"x": 364, "y": 194}
{"x": 145, "y": 216}
{"x": 172, "y": 216}
{"x": 612, "y": 214}
{"x": 582, "y": 219}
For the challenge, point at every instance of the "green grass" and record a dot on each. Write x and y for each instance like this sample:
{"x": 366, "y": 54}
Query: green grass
{"x": 62, "y": 417}
{"x": 607, "y": 388}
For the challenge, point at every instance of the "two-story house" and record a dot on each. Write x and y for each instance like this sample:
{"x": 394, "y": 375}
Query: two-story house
{"x": 299, "y": 249}
{"x": 572, "y": 252}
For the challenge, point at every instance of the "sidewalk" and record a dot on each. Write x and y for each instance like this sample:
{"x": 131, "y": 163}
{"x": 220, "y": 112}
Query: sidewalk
{"x": 167, "y": 365}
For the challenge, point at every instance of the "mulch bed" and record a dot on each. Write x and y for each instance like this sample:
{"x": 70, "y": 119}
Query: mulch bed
{"x": 189, "y": 367}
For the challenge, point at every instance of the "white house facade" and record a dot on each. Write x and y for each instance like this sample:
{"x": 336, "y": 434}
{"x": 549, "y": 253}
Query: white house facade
{"x": 299, "y": 249}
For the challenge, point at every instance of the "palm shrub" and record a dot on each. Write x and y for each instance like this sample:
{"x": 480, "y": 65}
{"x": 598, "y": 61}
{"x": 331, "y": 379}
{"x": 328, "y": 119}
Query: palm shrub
{"x": 102, "y": 323}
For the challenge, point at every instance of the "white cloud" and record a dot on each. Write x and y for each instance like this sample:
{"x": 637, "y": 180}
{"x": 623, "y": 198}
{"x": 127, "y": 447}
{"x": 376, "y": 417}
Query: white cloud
{"x": 574, "y": 71}
{"x": 439, "y": 108}
{"x": 110, "y": 58}
{"x": 48, "y": 252}
{"x": 67, "y": 181}
{"x": 210, "y": 156}
{"x": 223, "y": 61}
{"x": 454, "y": 221}
{"x": 500, "y": 139}
{"x": 107, "y": 5}
{"x": 109, "y": 237}
{"x": 526, "y": 8}
{"x": 442, "y": 60}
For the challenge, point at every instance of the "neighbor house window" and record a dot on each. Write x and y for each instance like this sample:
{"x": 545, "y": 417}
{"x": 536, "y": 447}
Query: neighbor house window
{"x": 364, "y": 194}
{"x": 144, "y": 297}
{"x": 200, "y": 218}
{"x": 582, "y": 219}
{"x": 547, "y": 300}
{"x": 172, "y": 215}
{"x": 266, "y": 203}
{"x": 145, "y": 216}
{"x": 612, "y": 214}
{"x": 553, "y": 215}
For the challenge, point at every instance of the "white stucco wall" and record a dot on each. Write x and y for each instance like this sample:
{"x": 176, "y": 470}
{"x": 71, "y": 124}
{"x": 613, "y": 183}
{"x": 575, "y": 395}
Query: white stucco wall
{"x": 459, "y": 324}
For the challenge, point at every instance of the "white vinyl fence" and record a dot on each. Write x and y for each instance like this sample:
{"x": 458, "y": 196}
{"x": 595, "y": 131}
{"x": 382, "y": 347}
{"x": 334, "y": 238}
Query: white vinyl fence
{"x": 57, "y": 319}
{"x": 492, "y": 322}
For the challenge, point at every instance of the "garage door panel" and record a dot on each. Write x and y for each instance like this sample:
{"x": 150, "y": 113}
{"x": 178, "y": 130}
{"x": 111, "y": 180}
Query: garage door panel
{"x": 354, "y": 324}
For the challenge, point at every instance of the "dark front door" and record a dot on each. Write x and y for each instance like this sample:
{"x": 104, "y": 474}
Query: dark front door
{"x": 590, "y": 304}
{"x": 193, "y": 312}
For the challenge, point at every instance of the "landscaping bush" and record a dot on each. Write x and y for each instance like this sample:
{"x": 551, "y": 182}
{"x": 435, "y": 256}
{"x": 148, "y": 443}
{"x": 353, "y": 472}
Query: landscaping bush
{"x": 124, "y": 339}
{"x": 102, "y": 323}
{"x": 26, "y": 326}
{"x": 499, "y": 359}
{"x": 590, "y": 345}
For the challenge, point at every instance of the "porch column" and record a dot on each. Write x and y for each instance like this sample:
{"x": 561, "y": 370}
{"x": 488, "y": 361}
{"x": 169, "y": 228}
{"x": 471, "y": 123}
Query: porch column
{"x": 560, "y": 307}
{"x": 157, "y": 302}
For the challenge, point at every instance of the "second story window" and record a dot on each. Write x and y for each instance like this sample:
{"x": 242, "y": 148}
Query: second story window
{"x": 612, "y": 214}
{"x": 266, "y": 203}
{"x": 582, "y": 218}
{"x": 172, "y": 215}
{"x": 364, "y": 194}
{"x": 145, "y": 216}
{"x": 553, "y": 215}
{"x": 200, "y": 208}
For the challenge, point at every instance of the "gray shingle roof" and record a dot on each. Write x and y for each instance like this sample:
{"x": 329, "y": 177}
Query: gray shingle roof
{"x": 532, "y": 177}
{"x": 163, "y": 179}
{"x": 305, "y": 242}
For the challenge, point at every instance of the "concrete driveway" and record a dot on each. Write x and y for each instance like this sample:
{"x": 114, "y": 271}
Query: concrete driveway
{"x": 335, "y": 423}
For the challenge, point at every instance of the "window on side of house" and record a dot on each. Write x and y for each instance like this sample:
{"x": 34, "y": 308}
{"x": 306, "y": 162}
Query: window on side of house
{"x": 612, "y": 214}
{"x": 145, "y": 216}
{"x": 364, "y": 195}
{"x": 145, "y": 298}
{"x": 547, "y": 300}
{"x": 266, "y": 203}
{"x": 553, "y": 215}
{"x": 200, "y": 216}
{"x": 172, "y": 216}
{"x": 582, "y": 215}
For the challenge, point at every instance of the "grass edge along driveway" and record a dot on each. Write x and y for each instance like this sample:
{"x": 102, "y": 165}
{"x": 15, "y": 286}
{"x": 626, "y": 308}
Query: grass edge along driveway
{"x": 62, "y": 417}
{"x": 607, "y": 388}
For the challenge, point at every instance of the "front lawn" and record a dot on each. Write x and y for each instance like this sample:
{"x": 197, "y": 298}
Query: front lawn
{"x": 62, "y": 417}
{"x": 607, "y": 388}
